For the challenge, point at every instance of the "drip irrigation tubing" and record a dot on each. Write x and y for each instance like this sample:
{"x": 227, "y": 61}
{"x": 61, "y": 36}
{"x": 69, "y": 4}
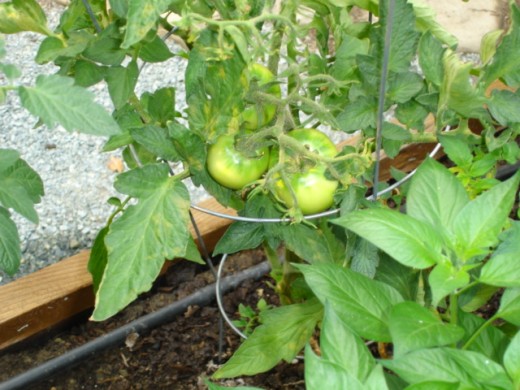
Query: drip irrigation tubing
{"x": 144, "y": 324}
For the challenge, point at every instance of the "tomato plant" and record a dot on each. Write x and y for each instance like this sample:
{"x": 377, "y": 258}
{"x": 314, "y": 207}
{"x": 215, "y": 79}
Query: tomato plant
{"x": 440, "y": 262}
{"x": 232, "y": 168}
{"x": 305, "y": 183}
{"x": 258, "y": 114}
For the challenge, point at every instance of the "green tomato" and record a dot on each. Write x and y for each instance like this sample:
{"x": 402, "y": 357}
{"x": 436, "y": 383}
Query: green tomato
{"x": 230, "y": 167}
{"x": 314, "y": 193}
{"x": 255, "y": 116}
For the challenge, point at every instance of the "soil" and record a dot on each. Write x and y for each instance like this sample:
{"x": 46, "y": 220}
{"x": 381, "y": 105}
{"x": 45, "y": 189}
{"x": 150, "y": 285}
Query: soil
{"x": 176, "y": 355}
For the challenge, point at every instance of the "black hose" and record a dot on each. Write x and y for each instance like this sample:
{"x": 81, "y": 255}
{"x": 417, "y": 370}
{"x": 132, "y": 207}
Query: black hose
{"x": 202, "y": 297}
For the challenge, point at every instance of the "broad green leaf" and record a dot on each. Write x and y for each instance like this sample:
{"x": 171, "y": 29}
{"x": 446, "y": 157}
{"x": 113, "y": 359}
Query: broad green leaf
{"x": 365, "y": 258}
{"x": 503, "y": 105}
{"x": 154, "y": 229}
{"x": 156, "y": 139}
{"x": 342, "y": 347}
{"x": 512, "y": 360}
{"x": 213, "y": 386}
{"x": 431, "y": 53}
{"x": 435, "y": 196}
{"x": 358, "y": 115}
{"x": 10, "y": 252}
{"x": 409, "y": 241}
{"x": 412, "y": 114}
{"x": 395, "y": 132}
{"x": 481, "y": 369}
{"x": 345, "y": 65}
{"x": 404, "y": 279}
{"x": 20, "y": 186}
{"x": 503, "y": 268}
{"x": 284, "y": 332}
{"x": 98, "y": 258}
{"x": 476, "y": 296}
{"x": 403, "y": 86}
{"x": 376, "y": 379}
{"x": 505, "y": 60}
{"x": 477, "y": 226}
{"x": 323, "y": 374}
{"x": 446, "y": 279}
{"x": 437, "y": 385}
{"x": 414, "y": 327}
{"x": 57, "y": 99}
{"x": 424, "y": 365}
{"x": 361, "y": 303}
{"x": 121, "y": 83}
{"x": 509, "y": 309}
{"x": 456, "y": 91}
{"x": 142, "y": 16}
{"x": 490, "y": 342}
{"x": 22, "y": 15}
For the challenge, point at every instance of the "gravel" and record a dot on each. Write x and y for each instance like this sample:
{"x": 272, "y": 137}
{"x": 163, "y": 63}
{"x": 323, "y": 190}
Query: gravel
{"x": 74, "y": 170}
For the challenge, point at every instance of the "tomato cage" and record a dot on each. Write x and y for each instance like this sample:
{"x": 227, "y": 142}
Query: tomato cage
{"x": 218, "y": 273}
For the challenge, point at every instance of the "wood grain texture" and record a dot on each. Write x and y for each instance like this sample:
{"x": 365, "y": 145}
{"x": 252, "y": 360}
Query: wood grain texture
{"x": 56, "y": 293}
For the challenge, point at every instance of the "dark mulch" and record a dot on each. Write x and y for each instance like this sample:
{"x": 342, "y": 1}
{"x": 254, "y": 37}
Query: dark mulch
{"x": 176, "y": 355}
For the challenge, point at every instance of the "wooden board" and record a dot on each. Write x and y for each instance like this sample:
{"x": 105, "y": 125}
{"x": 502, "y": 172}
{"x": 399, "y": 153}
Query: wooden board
{"x": 62, "y": 290}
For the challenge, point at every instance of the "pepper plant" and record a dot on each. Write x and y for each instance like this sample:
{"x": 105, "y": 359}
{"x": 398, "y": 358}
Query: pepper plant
{"x": 263, "y": 80}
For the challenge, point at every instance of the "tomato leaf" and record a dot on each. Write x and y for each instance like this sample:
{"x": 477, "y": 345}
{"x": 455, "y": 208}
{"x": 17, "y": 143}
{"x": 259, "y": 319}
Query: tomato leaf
{"x": 22, "y": 15}
{"x": 503, "y": 268}
{"x": 431, "y": 53}
{"x": 408, "y": 240}
{"x": 56, "y": 99}
{"x": 503, "y": 105}
{"x": 157, "y": 140}
{"x": 505, "y": 61}
{"x": 360, "y": 302}
{"x": 214, "y": 89}
{"x": 360, "y": 114}
{"x": 20, "y": 186}
{"x": 403, "y": 43}
{"x": 456, "y": 91}
{"x": 281, "y": 336}
{"x": 403, "y": 86}
{"x": 10, "y": 252}
{"x": 142, "y": 15}
{"x": 98, "y": 258}
{"x": 413, "y": 327}
{"x": 155, "y": 51}
{"x": 121, "y": 82}
{"x": 154, "y": 229}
